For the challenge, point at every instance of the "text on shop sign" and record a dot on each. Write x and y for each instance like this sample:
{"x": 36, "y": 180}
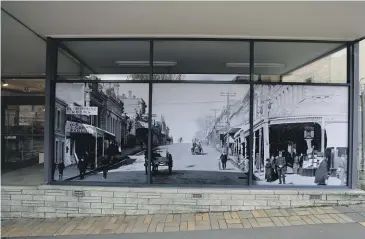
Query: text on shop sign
{"x": 81, "y": 110}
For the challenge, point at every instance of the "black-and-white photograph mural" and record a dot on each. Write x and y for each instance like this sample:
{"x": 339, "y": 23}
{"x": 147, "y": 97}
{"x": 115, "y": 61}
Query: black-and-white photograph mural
{"x": 100, "y": 132}
{"x": 300, "y": 135}
{"x": 196, "y": 143}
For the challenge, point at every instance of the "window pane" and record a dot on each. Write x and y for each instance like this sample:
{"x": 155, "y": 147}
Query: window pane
{"x": 301, "y": 134}
{"x": 300, "y": 62}
{"x": 115, "y": 142}
{"x": 195, "y": 124}
{"x": 201, "y": 60}
{"x": 112, "y": 60}
{"x": 22, "y": 129}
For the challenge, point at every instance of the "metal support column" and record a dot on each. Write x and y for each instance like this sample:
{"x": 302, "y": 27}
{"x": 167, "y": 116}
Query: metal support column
{"x": 250, "y": 148}
{"x": 50, "y": 88}
{"x": 323, "y": 128}
{"x": 149, "y": 143}
{"x": 353, "y": 79}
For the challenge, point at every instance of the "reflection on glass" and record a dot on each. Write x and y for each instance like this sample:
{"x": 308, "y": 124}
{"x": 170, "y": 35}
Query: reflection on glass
{"x": 22, "y": 151}
{"x": 100, "y": 132}
{"x": 106, "y": 57}
{"x": 197, "y": 59}
{"x": 194, "y": 125}
{"x": 22, "y": 129}
{"x": 300, "y": 62}
{"x": 300, "y": 135}
{"x": 24, "y": 119}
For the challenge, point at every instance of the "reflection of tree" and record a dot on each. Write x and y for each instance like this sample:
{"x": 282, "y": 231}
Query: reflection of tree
{"x": 157, "y": 77}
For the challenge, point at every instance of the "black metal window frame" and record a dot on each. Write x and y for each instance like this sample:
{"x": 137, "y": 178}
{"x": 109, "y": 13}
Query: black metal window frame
{"x": 54, "y": 44}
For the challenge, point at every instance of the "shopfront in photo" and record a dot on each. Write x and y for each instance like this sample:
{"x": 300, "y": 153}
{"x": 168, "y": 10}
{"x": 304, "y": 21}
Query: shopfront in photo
{"x": 239, "y": 113}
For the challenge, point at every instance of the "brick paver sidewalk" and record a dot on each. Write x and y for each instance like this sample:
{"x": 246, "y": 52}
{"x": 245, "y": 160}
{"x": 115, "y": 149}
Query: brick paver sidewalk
{"x": 183, "y": 222}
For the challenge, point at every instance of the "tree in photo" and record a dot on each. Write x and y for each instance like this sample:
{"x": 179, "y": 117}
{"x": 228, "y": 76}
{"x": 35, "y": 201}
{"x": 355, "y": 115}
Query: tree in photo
{"x": 156, "y": 77}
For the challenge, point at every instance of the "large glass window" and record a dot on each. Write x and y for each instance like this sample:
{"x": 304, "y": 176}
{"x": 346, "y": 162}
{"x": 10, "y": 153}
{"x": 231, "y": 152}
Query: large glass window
{"x": 201, "y": 60}
{"x": 199, "y": 126}
{"x": 300, "y": 135}
{"x": 300, "y": 62}
{"x": 99, "y": 126}
{"x": 200, "y": 108}
{"x": 195, "y": 124}
{"x": 300, "y": 132}
{"x": 22, "y": 129}
{"x": 107, "y": 60}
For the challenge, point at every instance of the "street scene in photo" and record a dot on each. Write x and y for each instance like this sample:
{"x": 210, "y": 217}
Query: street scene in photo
{"x": 190, "y": 111}
{"x": 200, "y": 133}
{"x": 99, "y": 126}
{"x": 300, "y": 135}
{"x": 111, "y": 119}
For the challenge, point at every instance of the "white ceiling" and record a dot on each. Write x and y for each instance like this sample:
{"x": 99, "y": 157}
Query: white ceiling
{"x": 303, "y": 20}
{"x": 23, "y": 53}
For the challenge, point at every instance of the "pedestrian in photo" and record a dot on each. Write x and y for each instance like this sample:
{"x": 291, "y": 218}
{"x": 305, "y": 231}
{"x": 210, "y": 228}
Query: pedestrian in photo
{"x": 281, "y": 168}
{"x": 343, "y": 169}
{"x": 82, "y": 166}
{"x": 269, "y": 171}
{"x": 110, "y": 152}
{"x": 54, "y": 166}
{"x": 274, "y": 167}
{"x": 105, "y": 165}
{"x": 296, "y": 165}
{"x": 61, "y": 167}
{"x": 301, "y": 160}
{"x": 258, "y": 162}
{"x": 322, "y": 172}
{"x": 224, "y": 159}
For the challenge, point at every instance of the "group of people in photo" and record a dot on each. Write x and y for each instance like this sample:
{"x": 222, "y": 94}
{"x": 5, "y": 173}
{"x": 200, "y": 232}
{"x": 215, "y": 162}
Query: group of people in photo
{"x": 275, "y": 168}
{"x": 86, "y": 160}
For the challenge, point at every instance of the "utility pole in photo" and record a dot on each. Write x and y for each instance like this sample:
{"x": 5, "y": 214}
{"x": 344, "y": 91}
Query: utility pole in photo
{"x": 228, "y": 95}
{"x": 215, "y": 122}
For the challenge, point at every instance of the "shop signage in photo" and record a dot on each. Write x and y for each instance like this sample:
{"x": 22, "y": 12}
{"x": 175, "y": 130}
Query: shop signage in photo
{"x": 81, "y": 110}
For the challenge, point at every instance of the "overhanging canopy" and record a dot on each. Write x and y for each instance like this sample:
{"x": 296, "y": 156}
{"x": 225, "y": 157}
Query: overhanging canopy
{"x": 273, "y": 20}
{"x": 80, "y": 128}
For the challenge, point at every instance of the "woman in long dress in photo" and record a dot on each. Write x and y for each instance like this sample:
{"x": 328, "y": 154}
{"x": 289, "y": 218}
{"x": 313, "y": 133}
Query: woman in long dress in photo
{"x": 269, "y": 171}
{"x": 322, "y": 172}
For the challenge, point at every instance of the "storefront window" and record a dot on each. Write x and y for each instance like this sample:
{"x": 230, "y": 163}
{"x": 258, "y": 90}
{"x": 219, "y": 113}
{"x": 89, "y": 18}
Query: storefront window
{"x": 194, "y": 124}
{"x": 200, "y": 107}
{"x": 22, "y": 130}
{"x": 300, "y": 131}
